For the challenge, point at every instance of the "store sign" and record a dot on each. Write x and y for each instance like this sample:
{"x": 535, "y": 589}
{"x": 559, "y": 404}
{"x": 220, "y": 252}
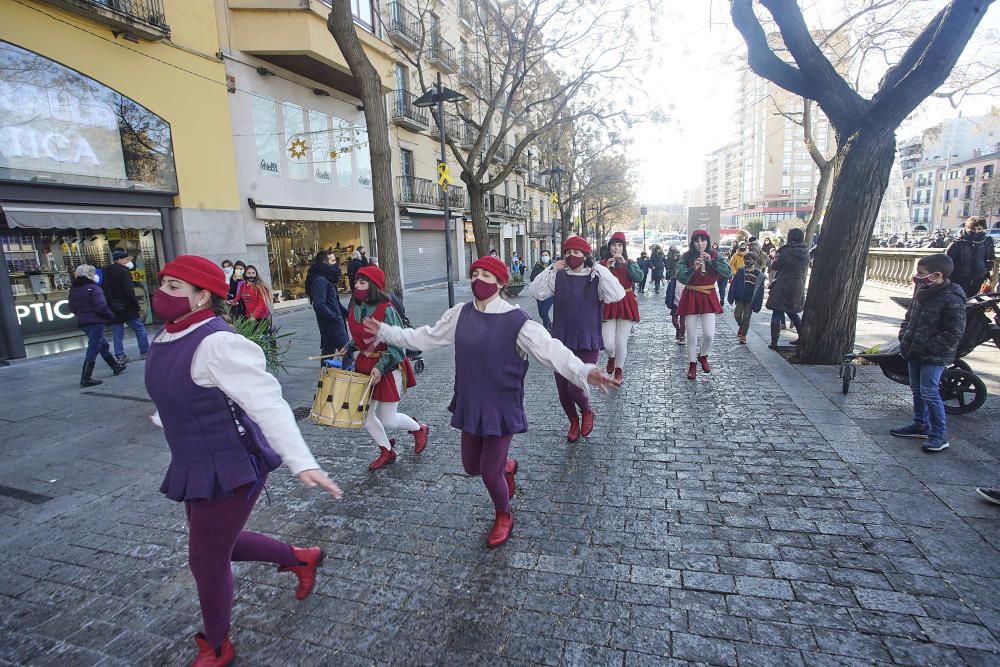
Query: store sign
{"x": 44, "y": 317}
{"x": 138, "y": 275}
{"x": 123, "y": 234}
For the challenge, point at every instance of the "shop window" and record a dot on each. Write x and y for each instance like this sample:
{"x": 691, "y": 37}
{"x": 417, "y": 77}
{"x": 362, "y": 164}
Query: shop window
{"x": 292, "y": 246}
{"x": 59, "y": 126}
{"x": 364, "y": 159}
{"x": 265, "y": 128}
{"x": 295, "y": 142}
{"x": 319, "y": 154}
{"x": 343, "y": 141}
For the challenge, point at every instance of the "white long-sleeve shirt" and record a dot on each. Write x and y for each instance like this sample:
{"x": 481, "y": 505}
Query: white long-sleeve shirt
{"x": 230, "y": 362}
{"x": 609, "y": 289}
{"x": 532, "y": 339}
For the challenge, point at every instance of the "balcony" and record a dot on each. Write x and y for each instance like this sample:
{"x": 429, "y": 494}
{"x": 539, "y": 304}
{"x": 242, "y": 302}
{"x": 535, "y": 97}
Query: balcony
{"x": 521, "y": 166}
{"x": 503, "y": 205}
{"x": 537, "y": 181}
{"x": 502, "y": 153}
{"x": 469, "y": 135}
{"x": 470, "y": 73}
{"x": 425, "y": 193}
{"x": 403, "y": 27}
{"x": 467, "y": 12}
{"x": 452, "y": 126}
{"x": 404, "y": 114}
{"x": 139, "y": 18}
{"x": 442, "y": 54}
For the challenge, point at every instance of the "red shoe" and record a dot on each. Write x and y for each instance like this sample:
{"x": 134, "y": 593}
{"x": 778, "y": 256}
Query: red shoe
{"x": 500, "y": 533}
{"x": 385, "y": 456}
{"x": 310, "y": 557}
{"x": 509, "y": 470}
{"x": 743, "y": 340}
{"x": 692, "y": 370}
{"x": 704, "y": 364}
{"x": 618, "y": 374}
{"x": 420, "y": 438}
{"x": 611, "y": 365}
{"x": 574, "y": 429}
{"x": 587, "y": 423}
{"x": 212, "y": 657}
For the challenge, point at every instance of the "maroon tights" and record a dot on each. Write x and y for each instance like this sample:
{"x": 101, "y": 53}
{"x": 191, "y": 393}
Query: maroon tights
{"x": 487, "y": 456}
{"x": 570, "y": 395}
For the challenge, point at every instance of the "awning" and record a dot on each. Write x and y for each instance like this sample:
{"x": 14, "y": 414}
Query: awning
{"x": 64, "y": 216}
{"x": 312, "y": 215}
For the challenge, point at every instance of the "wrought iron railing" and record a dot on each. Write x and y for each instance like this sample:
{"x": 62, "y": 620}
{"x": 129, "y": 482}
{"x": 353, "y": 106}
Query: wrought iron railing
{"x": 403, "y": 23}
{"x": 453, "y": 127}
{"x": 426, "y": 192}
{"x": 442, "y": 52}
{"x": 403, "y": 107}
{"x": 147, "y": 11}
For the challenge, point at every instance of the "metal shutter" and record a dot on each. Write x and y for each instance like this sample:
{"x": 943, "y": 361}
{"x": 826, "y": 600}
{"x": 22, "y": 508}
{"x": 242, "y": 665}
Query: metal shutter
{"x": 424, "y": 258}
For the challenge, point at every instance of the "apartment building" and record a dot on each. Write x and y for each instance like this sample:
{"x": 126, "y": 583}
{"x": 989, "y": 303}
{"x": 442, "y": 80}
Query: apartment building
{"x": 723, "y": 179}
{"x": 971, "y": 188}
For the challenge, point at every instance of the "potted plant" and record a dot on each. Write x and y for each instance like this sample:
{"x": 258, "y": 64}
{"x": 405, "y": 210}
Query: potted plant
{"x": 268, "y": 337}
{"x": 515, "y": 285}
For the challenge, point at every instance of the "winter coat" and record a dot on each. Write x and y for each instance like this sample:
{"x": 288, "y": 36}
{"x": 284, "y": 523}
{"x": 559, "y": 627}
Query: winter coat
{"x": 325, "y": 300}
{"x": 934, "y": 324}
{"x": 673, "y": 259}
{"x": 787, "y": 292}
{"x": 87, "y": 302}
{"x": 352, "y": 269}
{"x": 254, "y": 303}
{"x": 659, "y": 265}
{"x": 537, "y": 269}
{"x": 973, "y": 259}
{"x": 643, "y": 263}
{"x": 739, "y": 284}
{"x": 119, "y": 290}
{"x": 673, "y": 295}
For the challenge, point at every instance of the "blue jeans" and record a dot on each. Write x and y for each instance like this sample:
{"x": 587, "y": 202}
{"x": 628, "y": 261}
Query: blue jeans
{"x": 928, "y": 408}
{"x": 544, "y": 306}
{"x": 96, "y": 343}
{"x": 722, "y": 282}
{"x": 118, "y": 333}
{"x": 778, "y": 317}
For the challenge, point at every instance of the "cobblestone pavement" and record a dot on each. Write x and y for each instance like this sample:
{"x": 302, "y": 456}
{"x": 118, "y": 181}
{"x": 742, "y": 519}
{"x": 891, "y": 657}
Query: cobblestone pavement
{"x": 754, "y": 517}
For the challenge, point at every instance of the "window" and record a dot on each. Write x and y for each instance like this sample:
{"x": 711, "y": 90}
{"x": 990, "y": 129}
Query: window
{"x": 343, "y": 141}
{"x": 406, "y": 169}
{"x": 364, "y": 158}
{"x": 265, "y": 129}
{"x": 319, "y": 140}
{"x": 362, "y": 10}
{"x": 295, "y": 142}
{"x": 402, "y": 82}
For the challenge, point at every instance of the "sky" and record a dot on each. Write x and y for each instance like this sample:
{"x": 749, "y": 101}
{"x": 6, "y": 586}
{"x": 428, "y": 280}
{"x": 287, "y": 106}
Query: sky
{"x": 697, "y": 82}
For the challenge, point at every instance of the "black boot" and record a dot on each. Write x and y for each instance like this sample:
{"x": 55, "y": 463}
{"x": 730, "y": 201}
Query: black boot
{"x": 85, "y": 379}
{"x": 116, "y": 367}
{"x": 775, "y": 332}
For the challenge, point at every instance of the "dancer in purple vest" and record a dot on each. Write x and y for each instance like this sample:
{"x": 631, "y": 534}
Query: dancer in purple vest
{"x": 581, "y": 287}
{"x": 491, "y": 339}
{"x": 227, "y": 427}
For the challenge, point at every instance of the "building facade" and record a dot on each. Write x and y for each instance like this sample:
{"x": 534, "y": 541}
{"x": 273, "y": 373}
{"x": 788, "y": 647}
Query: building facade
{"x": 971, "y": 187}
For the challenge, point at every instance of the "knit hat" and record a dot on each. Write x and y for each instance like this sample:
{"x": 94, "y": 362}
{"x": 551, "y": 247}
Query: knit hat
{"x": 200, "y": 272}
{"x": 493, "y": 265}
{"x": 372, "y": 274}
{"x": 619, "y": 237}
{"x": 577, "y": 243}
{"x": 700, "y": 232}
{"x": 118, "y": 253}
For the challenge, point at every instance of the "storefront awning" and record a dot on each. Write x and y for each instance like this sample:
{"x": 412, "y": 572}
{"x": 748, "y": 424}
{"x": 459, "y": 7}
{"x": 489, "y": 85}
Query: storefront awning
{"x": 269, "y": 213}
{"x": 62, "y": 216}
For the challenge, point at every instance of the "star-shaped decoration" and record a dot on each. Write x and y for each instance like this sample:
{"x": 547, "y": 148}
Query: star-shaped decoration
{"x": 333, "y": 154}
{"x": 298, "y": 148}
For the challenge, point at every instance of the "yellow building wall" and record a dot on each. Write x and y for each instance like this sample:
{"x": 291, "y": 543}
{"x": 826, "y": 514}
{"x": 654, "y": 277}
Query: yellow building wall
{"x": 178, "y": 79}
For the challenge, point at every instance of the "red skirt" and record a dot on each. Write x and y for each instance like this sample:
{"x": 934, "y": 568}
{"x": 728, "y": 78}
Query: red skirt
{"x": 696, "y": 302}
{"x": 385, "y": 391}
{"x": 626, "y": 309}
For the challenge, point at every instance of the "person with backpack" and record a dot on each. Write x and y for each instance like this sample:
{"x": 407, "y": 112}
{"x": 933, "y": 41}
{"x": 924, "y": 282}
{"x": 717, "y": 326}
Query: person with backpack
{"x": 87, "y": 302}
{"x": 786, "y": 294}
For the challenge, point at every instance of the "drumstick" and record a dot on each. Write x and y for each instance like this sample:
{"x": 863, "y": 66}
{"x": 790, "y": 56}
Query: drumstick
{"x": 325, "y": 356}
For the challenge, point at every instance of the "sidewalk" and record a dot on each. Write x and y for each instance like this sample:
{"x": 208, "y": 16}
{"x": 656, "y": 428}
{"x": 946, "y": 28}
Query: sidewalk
{"x": 754, "y": 517}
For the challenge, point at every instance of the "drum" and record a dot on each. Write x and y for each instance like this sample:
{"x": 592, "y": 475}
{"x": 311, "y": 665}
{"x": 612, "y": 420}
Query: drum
{"x": 341, "y": 399}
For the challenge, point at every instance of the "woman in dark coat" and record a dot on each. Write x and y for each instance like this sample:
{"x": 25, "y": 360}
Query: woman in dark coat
{"x": 973, "y": 255}
{"x": 787, "y": 292}
{"x": 658, "y": 264}
{"x": 321, "y": 284}
{"x": 87, "y": 302}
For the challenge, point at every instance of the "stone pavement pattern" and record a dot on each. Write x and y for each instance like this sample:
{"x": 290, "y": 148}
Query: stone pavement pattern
{"x": 754, "y": 517}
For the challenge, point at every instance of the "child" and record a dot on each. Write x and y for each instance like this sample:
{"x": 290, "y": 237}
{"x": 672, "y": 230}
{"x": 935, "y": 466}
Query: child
{"x": 928, "y": 338}
{"x": 747, "y": 292}
{"x": 675, "y": 290}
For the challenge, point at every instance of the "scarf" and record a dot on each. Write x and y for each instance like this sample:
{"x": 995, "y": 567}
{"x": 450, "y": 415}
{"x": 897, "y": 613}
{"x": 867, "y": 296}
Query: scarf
{"x": 191, "y": 318}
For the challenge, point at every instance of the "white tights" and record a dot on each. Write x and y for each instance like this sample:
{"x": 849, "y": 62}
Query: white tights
{"x": 695, "y": 348}
{"x": 615, "y": 334}
{"x": 383, "y": 415}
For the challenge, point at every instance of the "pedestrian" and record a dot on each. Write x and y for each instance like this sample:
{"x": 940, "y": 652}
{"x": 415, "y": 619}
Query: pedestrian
{"x": 974, "y": 256}
{"x": 939, "y": 241}
{"x": 544, "y": 305}
{"x": 621, "y": 315}
{"x": 227, "y": 426}
{"x": 254, "y": 295}
{"x": 356, "y": 262}
{"x": 739, "y": 258}
{"x": 239, "y": 268}
{"x": 644, "y": 267}
{"x": 331, "y": 317}
{"x": 786, "y": 294}
{"x": 580, "y": 289}
{"x": 119, "y": 290}
{"x": 87, "y": 302}
{"x": 228, "y": 270}
{"x": 675, "y": 289}
{"x": 928, "y": 340}
{"x": 492, "y": 339}
{"x": 658, "y": 264}
{"x": 766, "y": 248}
{"x": 747, "y": 292}
{"x": 673, "y": 261}
{"x": 700, "y": 271}
{"x": 388, "y": 366}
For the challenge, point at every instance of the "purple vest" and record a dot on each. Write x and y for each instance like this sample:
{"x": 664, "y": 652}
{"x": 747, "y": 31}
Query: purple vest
{"x": 214, "y": 447}
{"x": 489, "y": 373}
{"x": 578, "y": 312}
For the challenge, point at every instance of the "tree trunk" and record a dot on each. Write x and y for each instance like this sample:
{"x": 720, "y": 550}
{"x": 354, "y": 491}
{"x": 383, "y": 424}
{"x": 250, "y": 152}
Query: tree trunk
{"x": 340, "y": 23}
{"x": 480, "y": 223}
{"x": 830, "y": 317}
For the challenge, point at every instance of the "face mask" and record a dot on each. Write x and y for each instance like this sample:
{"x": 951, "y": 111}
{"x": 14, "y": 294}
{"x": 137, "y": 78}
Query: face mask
{"x": 170, "y": 307}
{"x": 130, "y": 265}
{"x": 545, "y": 259}
{"x": 251, "y": 279}
{"x": 483, "y": 290}
{"x": 228, "y": 271}
{"x": 575, "y": 261}
{"x": 923, "y": 281}
{"x": 360, "y": 295}
{"x": 977, "y": 236}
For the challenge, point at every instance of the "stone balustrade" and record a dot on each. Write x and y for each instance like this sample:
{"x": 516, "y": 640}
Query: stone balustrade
{"x": 894, "y": 266}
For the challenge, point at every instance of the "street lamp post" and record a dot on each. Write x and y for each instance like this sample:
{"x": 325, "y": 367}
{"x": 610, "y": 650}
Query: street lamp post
{"x": 437, "y": 97}
{"x": 554, "y": 173}
{"x": 642, "y": 212}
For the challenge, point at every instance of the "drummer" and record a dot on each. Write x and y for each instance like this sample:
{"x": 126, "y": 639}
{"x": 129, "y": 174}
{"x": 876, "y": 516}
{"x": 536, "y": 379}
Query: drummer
{"x": 387, "y": 365}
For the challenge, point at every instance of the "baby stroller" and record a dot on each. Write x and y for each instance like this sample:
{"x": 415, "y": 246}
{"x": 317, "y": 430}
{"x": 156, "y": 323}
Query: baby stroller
{"x": 961, "y": 389}
{"x": 415, "y": 356}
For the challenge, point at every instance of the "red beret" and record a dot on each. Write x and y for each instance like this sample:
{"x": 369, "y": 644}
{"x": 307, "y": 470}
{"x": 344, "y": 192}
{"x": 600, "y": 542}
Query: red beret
{"x": 577, "y": 243}
{"x": 372, "y": 274}
{"x": 493, "y": 265}
{"x": 200, "y": 272}
{"x": 701, "y": 232}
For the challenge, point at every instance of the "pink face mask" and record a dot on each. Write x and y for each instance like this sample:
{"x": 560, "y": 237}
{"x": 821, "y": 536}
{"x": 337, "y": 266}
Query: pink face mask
{"x": 360, "y": 295}
{"x": 575, "y": 262}
{"x": 483, "y": 290}
{"x": 169, "y": 307}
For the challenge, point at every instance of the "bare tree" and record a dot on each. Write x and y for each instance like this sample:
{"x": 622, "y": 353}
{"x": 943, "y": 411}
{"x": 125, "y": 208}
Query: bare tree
{"x": 865, "y": 130}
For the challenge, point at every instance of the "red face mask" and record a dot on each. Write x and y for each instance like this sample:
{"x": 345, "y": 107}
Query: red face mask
{"x": 924, "y": 281}
{"x": 169, "y": 307}
{"x": 483, "y": 290}
{"x": 575, "y": 261}
{"x": 360, "y": 295}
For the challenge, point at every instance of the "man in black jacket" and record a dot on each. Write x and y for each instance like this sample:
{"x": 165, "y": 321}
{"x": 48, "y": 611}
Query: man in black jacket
{"x": 974, "y": 256}
{"x": 120, "y": 292}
